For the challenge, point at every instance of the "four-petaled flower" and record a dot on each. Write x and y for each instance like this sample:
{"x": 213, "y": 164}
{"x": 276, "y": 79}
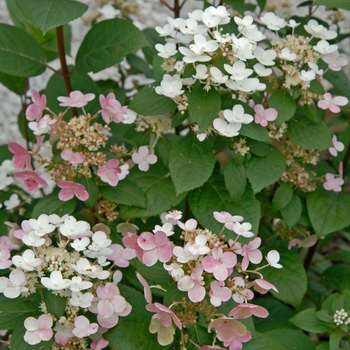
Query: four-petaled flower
{"x": 193, "y": 285}
{"x": 155, "y": 247}
{"x": 220, "y": 263}
{"x": 73, "y": 158}
{"x": 338, "y": 146}
{"x": 219, "y": 293}
{"x": 333, "y": 183}
{"x": 332, "y": 103}
{"x": 38, "y": 329}
{"x": 251, "y": 253}
{"x": 143, "y": 158}
{"x": 35, "y": 110}
{"x": 21, "y": 156}
{"x": 31, "y": 179}
{"x": 76, "y": 99}
{"x": 83, "y": 327}
{"x": 111, "y": 172}
{"x": 263, "y": 116}
{"x": 71, "y": 189}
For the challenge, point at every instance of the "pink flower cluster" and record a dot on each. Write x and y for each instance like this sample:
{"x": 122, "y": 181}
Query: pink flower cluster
{"x": 206, "y": 257}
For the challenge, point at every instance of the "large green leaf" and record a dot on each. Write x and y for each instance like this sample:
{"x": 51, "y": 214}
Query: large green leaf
{"x": 20, "y": 54}
{"x": 328, "y": 211}
{"x": 284, "y": 103}
{"x": 255, "y": 132}
{"x": 148, "y": 102}
{"x": 203, "y": 106}
{"x": 13, "y": 83}
{"x": 48, "y": 14}
{"x": 235, "y": 179}
{"x": 308, "y": 321}
{"x": 107, "y": 43}
{"x": 291, "y": 213}
{"x": 342, "y": 4}
{"x": 56, "y": 305}
{"x": 158, "y": 189}
{"x": 263, "y": 342}
{"x": 306, "y": 133}
{"x": 282, "y": 197}
{"x": 126, "y": 193}
{"x": 292, "y": 339}
{"x": 50, "y": 204}
{"x": 279, "y": 315}
{"x": 132, "y": 331}
{"x": 214, "y": 196}
{"x": 191, "y": 163}
{"x": 264, "y": 171}
{"x": 291, "y": 280}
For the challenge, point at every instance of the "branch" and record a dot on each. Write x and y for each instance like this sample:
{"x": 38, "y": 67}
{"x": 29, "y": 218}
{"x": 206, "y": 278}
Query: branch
{"x": 64, "y": 67}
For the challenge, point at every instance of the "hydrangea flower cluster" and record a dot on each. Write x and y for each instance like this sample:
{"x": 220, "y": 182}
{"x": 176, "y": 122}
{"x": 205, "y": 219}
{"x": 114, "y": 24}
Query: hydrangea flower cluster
{"x": 80, "y": 141}
{"x": 209, "y": 271}
{"x": 239, "y": 62}
{"x": 72, "y": 261}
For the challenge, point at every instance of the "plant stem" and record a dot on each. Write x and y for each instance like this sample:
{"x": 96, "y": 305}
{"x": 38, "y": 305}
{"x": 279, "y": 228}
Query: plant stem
{"x": 24, "y": 107}
{"x": 309, "y": 256}
{"x": 65, "y": 72}
{"x": 346, "y": 159}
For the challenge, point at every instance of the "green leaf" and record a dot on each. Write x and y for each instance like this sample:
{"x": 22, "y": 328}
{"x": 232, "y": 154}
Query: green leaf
{"x": 107, "y": 43}
{"x": 314, "y": 113}
{"x": 90, "y": 186}
{"x": 235, "y": 179}
{"x": 263, "y": 342}
{"x": 264, "y": 171}
{"x": 132, "y": 331}
{"x": 22, "y": 305}
{"x": 328, "y": 211}
{"x": 126, "y": 193}
{"x": 148, "y": 102}
{"x": 306, "y": 133}
{"x": 292, "y": 339}
{"x": 203, "y": 106}
{"x": 335, "y": 339}
{"x": 158, "y": 189}
{"x": 18, "y": 343}
{"x": 336, "y": 277}
{"x": 20, "y": 54}
{"x": 50, "y": 13}
{"x": 340, "y": 81}
{"x": 214, "y": 196}
{"x": 342, "y": 4}
{"x": 291, "y": 280}
{"x": 282, "y": 196}
{"x": 279, "y": 315}
{"x": 13, "y": 83}
{"x": 307, "y": 320}
{"x": 292, "y": 212}
{"x": 50, "y": 204}
{"x": 191, "y": 163}
{"x": 255, "y": 132}
{"x": 55, "y": 304}
{"x": 284, "y": 103}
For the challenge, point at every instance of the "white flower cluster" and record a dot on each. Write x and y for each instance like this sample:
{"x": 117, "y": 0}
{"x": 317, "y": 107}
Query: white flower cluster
{"x": 202, "y": 41}
{"x": 237, "y": 61}
{"x": 341, "y": 317}
{"x": 67, "y": 258}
